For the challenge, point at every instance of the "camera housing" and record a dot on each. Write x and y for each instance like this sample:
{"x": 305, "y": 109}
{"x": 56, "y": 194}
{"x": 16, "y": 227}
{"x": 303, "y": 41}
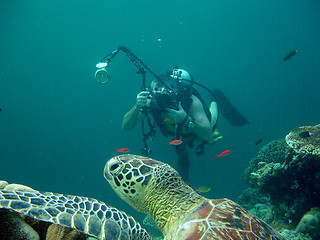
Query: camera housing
{"x": 162, "y": 98}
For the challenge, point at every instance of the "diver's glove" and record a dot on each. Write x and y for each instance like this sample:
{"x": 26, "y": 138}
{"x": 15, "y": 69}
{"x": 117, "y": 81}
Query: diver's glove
{"x": 142, "y": 99}
{"x": 177, "y": 116}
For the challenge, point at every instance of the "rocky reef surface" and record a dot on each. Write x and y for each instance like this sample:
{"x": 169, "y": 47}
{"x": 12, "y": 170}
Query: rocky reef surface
{"x": 284, "y": 180}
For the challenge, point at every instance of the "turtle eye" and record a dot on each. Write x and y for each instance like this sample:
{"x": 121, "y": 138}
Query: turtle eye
{"x": 115, "y": 168}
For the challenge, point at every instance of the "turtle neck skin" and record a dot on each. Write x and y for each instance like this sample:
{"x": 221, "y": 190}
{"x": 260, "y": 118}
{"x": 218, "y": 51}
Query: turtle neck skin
{"x": 170, "y": 199}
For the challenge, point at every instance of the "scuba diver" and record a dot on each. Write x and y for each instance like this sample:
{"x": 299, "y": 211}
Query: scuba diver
{"x": 179, "y": 112}
{"x": 178, "y": 109}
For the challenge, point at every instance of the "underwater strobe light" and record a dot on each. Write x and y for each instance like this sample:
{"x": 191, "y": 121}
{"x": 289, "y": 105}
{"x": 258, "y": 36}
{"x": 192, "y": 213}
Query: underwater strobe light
{"x": 102, "y": 75}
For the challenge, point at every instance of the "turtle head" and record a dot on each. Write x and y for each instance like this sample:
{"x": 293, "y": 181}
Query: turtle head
{"x": 139, "y": 180}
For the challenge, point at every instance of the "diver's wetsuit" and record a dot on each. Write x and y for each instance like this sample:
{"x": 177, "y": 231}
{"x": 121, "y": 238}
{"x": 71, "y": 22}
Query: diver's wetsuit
{"x": 181, "y": 150}
{"x": 187, "y": 139}
{"x": 183, "y": 161}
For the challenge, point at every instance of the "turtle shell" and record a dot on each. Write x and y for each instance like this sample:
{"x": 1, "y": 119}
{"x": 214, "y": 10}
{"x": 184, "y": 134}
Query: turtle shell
{"x": 87, "y": 215}
{"x": 222, "y": 219}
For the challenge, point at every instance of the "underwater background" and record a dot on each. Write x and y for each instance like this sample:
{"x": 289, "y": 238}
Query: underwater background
{"x": 59, "y": 126}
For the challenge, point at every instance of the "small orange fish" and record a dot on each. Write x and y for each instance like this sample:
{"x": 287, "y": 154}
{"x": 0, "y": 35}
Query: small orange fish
{"x": 224, "y": 153}
{"x": 168, "y": 120}
{"x": 123, "y": 150}
{"x": 175, "y": 142}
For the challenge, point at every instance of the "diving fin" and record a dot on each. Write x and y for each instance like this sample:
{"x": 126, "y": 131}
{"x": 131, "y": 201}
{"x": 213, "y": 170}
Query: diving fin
{"x": 228, "y": 111}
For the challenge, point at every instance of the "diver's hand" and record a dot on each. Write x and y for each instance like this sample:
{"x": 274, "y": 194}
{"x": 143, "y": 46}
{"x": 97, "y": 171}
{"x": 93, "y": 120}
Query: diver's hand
{"x": 177, "y": 116}
{"x": 142, "y": 99}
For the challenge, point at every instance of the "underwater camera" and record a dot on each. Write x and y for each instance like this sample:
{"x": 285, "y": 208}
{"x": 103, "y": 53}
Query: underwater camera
{"x": 163, "y": 98}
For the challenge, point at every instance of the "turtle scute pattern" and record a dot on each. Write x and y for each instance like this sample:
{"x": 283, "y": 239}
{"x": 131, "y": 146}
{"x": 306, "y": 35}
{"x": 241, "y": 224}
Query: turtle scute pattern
{"x": 87, "y": 215}
{"x": 223, "y": 219}
{"x": 180, "y": 213}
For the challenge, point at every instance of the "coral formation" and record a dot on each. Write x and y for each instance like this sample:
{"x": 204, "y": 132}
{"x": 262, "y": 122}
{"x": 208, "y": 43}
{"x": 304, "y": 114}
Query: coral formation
{"x": 310, "y": 223}
{"x": 284, "y": 179}
{"x": 268, "y": 162}
{"x": 292, "y": 235}
{"x": 305, "y": 140}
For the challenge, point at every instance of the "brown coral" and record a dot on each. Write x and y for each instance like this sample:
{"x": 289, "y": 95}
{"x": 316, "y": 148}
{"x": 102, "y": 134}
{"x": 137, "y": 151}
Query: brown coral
{"x": 305, "y": 140}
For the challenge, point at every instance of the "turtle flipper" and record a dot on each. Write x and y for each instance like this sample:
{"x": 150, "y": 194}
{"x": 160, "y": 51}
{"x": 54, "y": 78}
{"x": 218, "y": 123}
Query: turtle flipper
{"x": 87, "y": 215}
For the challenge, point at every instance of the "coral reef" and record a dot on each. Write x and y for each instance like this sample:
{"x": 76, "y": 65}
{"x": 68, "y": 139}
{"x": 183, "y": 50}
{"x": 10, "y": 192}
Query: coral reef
{"x": 258, "y": 203}
{"x": 305, "y": 140}
{"x": 267, "y": 163}
{"x": 284, "y": 180}
{"x": 292, "y": 235}
{"x": 310, "y": 223}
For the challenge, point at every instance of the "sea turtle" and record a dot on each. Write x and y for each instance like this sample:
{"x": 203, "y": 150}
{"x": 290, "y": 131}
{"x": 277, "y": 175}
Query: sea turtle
{"x": 86, "y": 215}
{"x": 157, "y": 189}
